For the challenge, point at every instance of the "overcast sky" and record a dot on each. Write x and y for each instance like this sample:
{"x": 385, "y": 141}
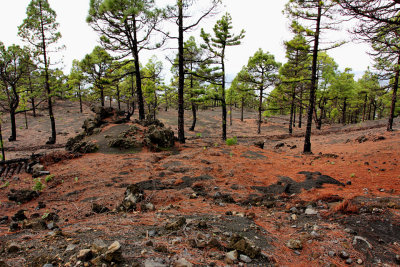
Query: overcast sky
{"x": 265, "y": 25}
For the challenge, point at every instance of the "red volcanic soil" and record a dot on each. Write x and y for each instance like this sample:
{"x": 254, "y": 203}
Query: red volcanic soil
{"x": 204, "y": 199}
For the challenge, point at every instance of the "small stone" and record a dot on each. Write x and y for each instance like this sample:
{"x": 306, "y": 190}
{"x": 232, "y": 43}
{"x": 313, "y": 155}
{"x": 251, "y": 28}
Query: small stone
{"x": 182, "y": 263}
{"x": 13, "y": 248}
{"x": 48, "y": 265}
{"x": 293, "y": 217}
{"x": 214, "y": 243}
{"x": 85, "y": 254}
{"x": 294, "y": 210}
{"x": 349, "y": 261}
{"x": 150, "y": 207}
{"x": 14, "y": 226}
{"x": 245, "y": 258}
{"x": 397, "y": 259}
{"x": 314, "y": 234}
{"x": 99, "y": 246}
{"x": 294, "y": 244}
{"x": 344, "y": 255}
{"x": 154, "y": 263}
{"x": 70, "y": 247}
{"x": 113, "y": 253}
{"x": 176, "y": 225}
{"x": 360, "y": 261}
{"x": 152, "y": 233}
{"x": 310, "y": 211}
{"x": 332, "y": 253}
{"x": 231, "y": 257}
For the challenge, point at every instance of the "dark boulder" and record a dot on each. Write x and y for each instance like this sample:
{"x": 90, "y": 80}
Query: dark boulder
{"x": 22, "y": 196}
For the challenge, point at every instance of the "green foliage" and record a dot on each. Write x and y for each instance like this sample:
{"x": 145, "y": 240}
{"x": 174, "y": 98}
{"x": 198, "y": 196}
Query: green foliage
{"x": 39, "y": 186}
{"x": 6, "y": 184}
{"x": 231, "y": 141}
{"x": 49, "y": 178}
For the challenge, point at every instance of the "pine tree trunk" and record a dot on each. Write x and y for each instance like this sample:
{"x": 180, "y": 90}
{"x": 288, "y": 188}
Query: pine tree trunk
{"x": 242, "y": 110}
{"x": 80, "y": 99}
{"x": 300, "y": 109}
{"x": 292, "y": 111}
{"x": 344, "y": 111}
{"x": 307, "y": 139}
{"x": 181, "y": 79}
{"x": 3, "y": 156}
{"x": 13, "y": 136}
{"x": 194, "y": 114}
{"x": 118, "y": 98}
{"x": 364, "y": 107}
{"x": 32, "y": 98}
{"x": 102, "y": 102}
{"x": 138, "y": 76}
{"x": 52, "y": 139}
{"x": 394, "y": 96}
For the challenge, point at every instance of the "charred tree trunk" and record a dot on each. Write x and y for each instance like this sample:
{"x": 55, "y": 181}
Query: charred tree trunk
{"x": 313, "y": 88}
{"x": 52, "y": 139}
{"x": 292, "y": 111}
{"x": 242, "y": 110}
{"x": 344, "y": 111}
{"x": 300, "y": 108}
{"x": 3, "y": 156}
{"x": 118, "y": 98}
{"x": 80, "y": 98}
{"x": 13, "y": 136}
{"x": 32, "y": 97}
{"x": 181, "y": 79}
{"x": 394, "y": 96}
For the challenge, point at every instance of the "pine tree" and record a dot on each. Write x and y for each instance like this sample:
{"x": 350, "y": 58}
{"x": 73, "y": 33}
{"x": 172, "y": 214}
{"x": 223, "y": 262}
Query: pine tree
{"x": 126, "y": 26}
{"x": 261, "y": 72}
{"x": 13, "y": 67}
{"x": 96, "y": 67}
{"x": 217, "y": 46}
{"x": 316, "y": 17}
{"x": 40, "y": 30}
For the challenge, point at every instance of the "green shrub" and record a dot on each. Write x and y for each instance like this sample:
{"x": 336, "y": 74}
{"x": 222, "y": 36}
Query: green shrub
{"x": 49, "y": 178}
{"x": 39, "y": 186}
{"x": 6, "y": 184}
{"x": 231, "y": 141}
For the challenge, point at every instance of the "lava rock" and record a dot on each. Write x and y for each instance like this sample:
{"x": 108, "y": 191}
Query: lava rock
{"x": 97, "y": 208}
{"x": 245, "y": 258}
{"x": 14, "y": 226}
{"x": 243, "y": 246}
{"x": 344, "y": 255}
{"x": 182, "y": 263}
{"x": 133, "y": 195}
{"x": 158, "y": 138}
{"x": 85, "y": 255}
{"x": 176, "y": 225}
{"x": 231, "y": 257}
{"x": 13, "y": 248}
{"x": 310, "y": 211}
{"x": 4, "y": 220}
{"x": 259, "y": 144}
{"x": 19, "y": 216}
{"x": 279, "y": 145}
{"x": 294, "y": 244}
{"x": 22, "y": 196}
{"x": 114, "y": 253}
